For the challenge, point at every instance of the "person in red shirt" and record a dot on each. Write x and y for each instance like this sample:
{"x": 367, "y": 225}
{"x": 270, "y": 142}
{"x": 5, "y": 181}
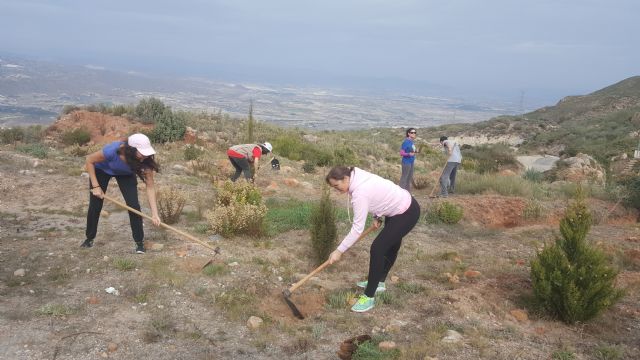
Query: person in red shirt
{"x": 244, "y": 156}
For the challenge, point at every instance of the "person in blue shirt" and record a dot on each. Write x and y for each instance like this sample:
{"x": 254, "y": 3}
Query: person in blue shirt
{"x": 123, "y": 160}
{"x": 408, "y": 153}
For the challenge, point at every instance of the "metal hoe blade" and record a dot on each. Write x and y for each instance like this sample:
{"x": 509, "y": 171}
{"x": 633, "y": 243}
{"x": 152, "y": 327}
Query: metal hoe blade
{"x": 286, "y": 294}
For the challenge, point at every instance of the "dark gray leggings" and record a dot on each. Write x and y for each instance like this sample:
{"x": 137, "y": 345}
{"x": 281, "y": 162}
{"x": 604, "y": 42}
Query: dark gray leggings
{"x": 385, "y": 247}
{"x": 242, "y": 166}
{"x": 128, "y": 185}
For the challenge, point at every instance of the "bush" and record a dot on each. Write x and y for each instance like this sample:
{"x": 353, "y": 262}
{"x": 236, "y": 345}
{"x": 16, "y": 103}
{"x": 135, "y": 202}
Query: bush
{"x": 192, "y": 152}
{"x": 67, "y": 109}
{"x": 571, "y": 280}
{"x": 169, "y": 127}
{"x": 444, "y": 212}
{"x": 533, "y": 175}
{"x": 170, "y": 204}
{"x": 239, "y": 210}
{"x": 323, "y": 228}
{"x": 36, "y": 150}
{"x": 150, "y": 110}
{"x": 492, "y": 158}
{"x": 11, "y": 135}
{"x": 308, "y": 167}
{"x": 632, "y": 190}
{"x": 532, "y": 210}
{"x": 421, "y": 182}
{"x": 76, "y": 137}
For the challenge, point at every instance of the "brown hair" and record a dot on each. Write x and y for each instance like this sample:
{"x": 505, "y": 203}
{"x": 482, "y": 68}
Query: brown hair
{"x": 338, "y": 173}
{"x": 137, "y": 166}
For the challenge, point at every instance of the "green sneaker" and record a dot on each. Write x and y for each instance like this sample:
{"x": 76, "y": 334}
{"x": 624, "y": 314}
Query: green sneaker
{"x": 363, "y": 304}
{"x": 381, "y": 286}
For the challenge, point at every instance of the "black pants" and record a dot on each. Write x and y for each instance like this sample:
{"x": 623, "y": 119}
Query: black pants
{"x": 128, "y": 185}
{"x": 242, "y": 166}
{"x": 385, "y": 247}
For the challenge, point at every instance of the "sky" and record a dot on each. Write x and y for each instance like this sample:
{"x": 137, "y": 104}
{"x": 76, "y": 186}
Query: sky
{"x": 511, "y": 48}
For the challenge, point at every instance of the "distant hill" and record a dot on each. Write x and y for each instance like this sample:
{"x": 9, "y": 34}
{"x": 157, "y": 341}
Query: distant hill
{"x": 603, "y": 124}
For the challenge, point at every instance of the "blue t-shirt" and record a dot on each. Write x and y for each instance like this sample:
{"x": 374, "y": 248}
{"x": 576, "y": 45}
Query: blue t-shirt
{"x": 113, "y": 164}
{"x": 408, "y": 146}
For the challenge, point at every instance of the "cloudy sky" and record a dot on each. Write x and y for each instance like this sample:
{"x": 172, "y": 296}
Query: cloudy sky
{"x": 537, "y": 47}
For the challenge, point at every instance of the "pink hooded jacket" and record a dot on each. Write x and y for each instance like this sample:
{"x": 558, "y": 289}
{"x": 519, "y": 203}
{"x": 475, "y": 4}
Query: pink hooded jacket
{"x": 372, "y": 194}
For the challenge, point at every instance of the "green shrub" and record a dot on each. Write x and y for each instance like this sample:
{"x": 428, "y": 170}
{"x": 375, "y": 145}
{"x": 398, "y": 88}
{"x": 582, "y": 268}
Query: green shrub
{"x": 492, "y": 158}
{"x": 532, "y": 210}
{"x": 631, "y": 187}
{"x": 76, "y": 137}
{"x": 369, "y": 350}
{"x": 563, "y": 355}
{"x": 295, "y": 148}
{"x": 571, "y": 279}
{"x": 124, "y": 264}
{"x": 55, "y": 310}
{"x": 472, "y": 183}
{"x": 150, "y": 110}
{"x": 323, "y": 227}
{"x": 605, "y": 352}
{"x": 239, "y": 210}
{"x": 67, "y": 109}
{"x": 533, "y": 175}
{"x": 308, "y": 167}
{"x": 192, "y": 152}
{"x": 422, "y": 181}
{"x": 339, "y": 299}
{"x": 170, "y": 127}
{"x": 36, "y": 150}
{"x": 11, "y": 135}
{"x": 444, "y": 212}
{"x": 215, "y": 270}
{"x": 344, "y": 156}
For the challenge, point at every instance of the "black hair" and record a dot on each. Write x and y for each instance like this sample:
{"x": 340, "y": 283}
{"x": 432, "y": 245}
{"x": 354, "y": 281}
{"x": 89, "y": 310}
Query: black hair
{"x": 443, "y": 138}
{"x": 136, "y": 165}
{"x": 264, "y": 149}
{"x": 338, "y": 173}
{"x": 409, "y": 130}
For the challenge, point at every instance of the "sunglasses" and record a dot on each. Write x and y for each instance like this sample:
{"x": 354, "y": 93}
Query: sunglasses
{"x": 412, "y": 132}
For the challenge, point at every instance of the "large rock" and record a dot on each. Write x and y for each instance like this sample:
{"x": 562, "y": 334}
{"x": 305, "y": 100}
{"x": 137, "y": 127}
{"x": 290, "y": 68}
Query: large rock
{"x": 581, "y": 167}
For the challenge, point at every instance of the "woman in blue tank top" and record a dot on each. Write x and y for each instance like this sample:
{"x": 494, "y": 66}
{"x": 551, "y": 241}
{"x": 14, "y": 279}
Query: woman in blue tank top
{"x": 123, "y": 160}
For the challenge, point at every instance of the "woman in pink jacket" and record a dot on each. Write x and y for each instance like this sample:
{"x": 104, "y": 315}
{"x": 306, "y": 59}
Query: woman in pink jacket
{"x": 372, "y": 194}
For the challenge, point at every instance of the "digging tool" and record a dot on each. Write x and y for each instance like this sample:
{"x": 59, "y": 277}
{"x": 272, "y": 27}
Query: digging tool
{"x": 437, "y": 182}
{"x": 192, "y": 238}
{"x": 287, "y": 292}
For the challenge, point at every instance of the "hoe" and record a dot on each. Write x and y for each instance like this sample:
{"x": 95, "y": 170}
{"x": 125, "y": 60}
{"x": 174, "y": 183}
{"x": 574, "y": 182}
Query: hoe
{"x": 216, "y": 250}
{"x": 287, "y": 292}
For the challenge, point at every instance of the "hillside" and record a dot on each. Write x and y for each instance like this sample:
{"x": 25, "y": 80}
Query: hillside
{"x": 458, "y": 291}
{"x": 603, "y": 124}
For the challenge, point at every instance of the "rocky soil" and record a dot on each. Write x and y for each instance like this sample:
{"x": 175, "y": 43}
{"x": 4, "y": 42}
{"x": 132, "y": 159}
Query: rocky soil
{"x": 456, "y": 292}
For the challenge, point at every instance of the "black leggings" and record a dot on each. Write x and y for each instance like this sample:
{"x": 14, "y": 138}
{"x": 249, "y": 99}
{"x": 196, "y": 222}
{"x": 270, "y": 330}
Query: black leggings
{"x": 385, "y": 247}
{"x": 128, "y": 185}
{"x": 242, "y": 166}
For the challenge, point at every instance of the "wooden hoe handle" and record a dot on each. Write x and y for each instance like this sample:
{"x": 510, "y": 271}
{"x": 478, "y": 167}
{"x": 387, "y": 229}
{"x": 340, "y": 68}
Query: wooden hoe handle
{"x": 190, "y": 237}
{"x": 326, "y": 263}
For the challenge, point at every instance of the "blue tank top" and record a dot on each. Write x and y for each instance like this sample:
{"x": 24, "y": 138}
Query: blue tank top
{"x": 113, "y": 164}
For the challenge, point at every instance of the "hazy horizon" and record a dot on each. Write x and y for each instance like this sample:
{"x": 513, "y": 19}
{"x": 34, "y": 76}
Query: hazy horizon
{"x": 535, "y": 52}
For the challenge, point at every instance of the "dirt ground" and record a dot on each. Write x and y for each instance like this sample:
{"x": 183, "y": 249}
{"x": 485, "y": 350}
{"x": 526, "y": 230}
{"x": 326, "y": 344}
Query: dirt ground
{"x": 167, "y": 308}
